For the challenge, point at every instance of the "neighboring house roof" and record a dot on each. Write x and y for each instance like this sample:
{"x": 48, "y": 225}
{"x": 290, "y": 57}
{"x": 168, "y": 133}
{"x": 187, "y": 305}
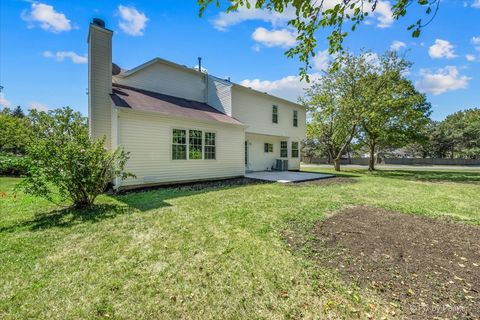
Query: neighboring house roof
{"x": 143, "y": 100}
{"x": 128, "y": 73}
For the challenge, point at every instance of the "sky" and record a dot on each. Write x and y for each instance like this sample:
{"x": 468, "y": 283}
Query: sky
{"x": 43, "y": 48}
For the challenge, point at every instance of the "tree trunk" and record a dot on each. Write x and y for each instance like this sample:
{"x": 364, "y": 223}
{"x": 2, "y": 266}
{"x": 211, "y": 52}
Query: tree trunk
{"x": 337, "y": 164}
{"x": 371, "y": 161}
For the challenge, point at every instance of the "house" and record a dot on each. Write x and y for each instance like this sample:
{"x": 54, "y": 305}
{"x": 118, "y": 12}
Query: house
{"x": 182, "y": 125}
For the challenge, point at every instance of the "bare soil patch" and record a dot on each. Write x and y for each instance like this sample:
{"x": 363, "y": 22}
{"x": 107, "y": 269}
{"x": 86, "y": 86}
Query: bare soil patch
{"x": 429, "y": 268}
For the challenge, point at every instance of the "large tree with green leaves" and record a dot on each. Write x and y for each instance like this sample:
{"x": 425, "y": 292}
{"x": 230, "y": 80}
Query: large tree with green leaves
{"x": 337, "y": 103}
{"x": 337, "y": 16}
{"x": 397, "y": 111}
{"x": 462, "y": 132}
{"x": 14, "y": 131}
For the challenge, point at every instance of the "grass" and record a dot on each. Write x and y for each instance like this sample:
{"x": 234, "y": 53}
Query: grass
{"x": 214, "y": 253}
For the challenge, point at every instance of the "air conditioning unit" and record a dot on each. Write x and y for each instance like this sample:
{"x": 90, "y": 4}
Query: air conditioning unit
{"x": 281, "y": 165}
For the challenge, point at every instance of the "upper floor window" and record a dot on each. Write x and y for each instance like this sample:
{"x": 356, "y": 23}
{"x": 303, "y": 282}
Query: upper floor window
{"x": 274, "y": 114}
{"x": 210, "y": 152}
{"x": 179, "y": 144}
{"x": 283, "y": 149}
{"x": 194, "y": 144}
{"x": 268, "y": 147}
{"x": 295, "y": 118}
{"x": 294, "y": 149}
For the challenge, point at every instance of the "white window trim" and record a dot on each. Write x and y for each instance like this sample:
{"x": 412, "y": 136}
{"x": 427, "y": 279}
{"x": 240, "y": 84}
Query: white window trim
{"x": 187, "y": 129}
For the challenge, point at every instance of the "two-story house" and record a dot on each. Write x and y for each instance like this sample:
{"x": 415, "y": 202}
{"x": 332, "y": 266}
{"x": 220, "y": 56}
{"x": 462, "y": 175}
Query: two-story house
{"x": 180, "y": 124}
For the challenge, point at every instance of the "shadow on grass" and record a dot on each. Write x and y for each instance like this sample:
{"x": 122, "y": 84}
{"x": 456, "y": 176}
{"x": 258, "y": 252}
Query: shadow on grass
{"x": 67, "y": 217}
{"x": 347, "y": 174}
{"x": 431, "y": 176}
{"x": 154, "y": 197}
{"x": 142, "y": 200}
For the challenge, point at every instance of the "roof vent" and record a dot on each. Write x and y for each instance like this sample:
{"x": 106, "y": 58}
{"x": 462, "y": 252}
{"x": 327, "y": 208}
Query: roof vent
{"x": 99, "y": 22}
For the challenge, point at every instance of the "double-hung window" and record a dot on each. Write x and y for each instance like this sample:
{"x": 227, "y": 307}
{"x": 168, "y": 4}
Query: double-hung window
{"x": 283, "y": 149}
{"x": 268, "y": 147}
{"x": 194, "y": 144}
{"x": 274, "y": 114}
{"x": 295, "y": 118}
{"x": 210, "y": 152}
{"x": 294, "y": 149}
{"x": 179, "y": 144}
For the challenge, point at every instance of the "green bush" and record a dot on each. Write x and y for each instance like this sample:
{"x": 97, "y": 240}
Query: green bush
{"x": 13, "y": 165}
{"x": 65, "y": 163}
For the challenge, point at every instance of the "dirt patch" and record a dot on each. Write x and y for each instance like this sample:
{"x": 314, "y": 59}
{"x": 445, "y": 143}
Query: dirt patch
{"x": 427, "y": 267}
{"x": 325, "y": 182}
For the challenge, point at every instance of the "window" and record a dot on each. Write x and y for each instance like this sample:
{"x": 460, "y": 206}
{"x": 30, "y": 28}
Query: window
{"x": 179, "y": 144}
{"x": 295, "y": 118}
{"x": 274, "y": 114}
{"x": 194, "y": 144}
{"x": 210, "y": 145}
{"x": 294, "y": 149}
{"x": 283, "y": 149}
{"x": 268, "y": 147}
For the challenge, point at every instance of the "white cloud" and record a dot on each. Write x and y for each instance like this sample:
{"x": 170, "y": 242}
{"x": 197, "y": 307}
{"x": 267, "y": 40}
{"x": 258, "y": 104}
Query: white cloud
{"x": 441, "y": 81}
{"x": 321, "y": 60}
{"x": 133, "y": 22}
{"x": 274, "y": 38}
{"x": 382, "y": 13}
{"x": 38, "y": 106}
{"x": 47, "y": 18}
{"x": 442, "y": 49}
{"x": 470, "y": 57}
{"x": 289, "y": 87}
{"x": 61, "y": 55}
{"x": 476, "y": 42}
{"x": 476, "y": 4}
{"x": 4, "y": 102}
{"x": 397, "y": 45}
{"x": 225, "y": 20}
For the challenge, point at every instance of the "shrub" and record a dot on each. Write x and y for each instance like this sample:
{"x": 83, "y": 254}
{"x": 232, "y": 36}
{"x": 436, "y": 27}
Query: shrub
{"x": 64, "y": 161}
{"x": 13, "y": 165}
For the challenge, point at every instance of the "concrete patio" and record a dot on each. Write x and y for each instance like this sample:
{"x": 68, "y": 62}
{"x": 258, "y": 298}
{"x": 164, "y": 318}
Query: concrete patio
{"x": 286, "y": 176}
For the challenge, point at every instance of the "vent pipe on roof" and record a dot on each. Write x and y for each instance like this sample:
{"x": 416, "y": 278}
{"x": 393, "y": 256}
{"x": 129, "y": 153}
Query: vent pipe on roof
{"x": 200, "y": 64}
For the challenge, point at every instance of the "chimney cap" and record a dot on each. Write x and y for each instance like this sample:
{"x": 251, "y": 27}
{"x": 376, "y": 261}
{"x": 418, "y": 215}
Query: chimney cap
{"x": 98, "y": 22}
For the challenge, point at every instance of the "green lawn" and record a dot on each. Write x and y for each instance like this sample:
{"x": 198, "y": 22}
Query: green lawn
{"x": 215, "y": 253}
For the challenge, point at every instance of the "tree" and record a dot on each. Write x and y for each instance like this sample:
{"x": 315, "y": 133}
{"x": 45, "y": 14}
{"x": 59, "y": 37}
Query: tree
{"x": 18, "y": 112}
{"x": 64, "y": 163}
{"x": 14, "y": 132}
{"x": 462, "y": 131}
{"x": 333, "y": 15}
{"x": 397, "y": 111}
{"x": 337, "y": 103}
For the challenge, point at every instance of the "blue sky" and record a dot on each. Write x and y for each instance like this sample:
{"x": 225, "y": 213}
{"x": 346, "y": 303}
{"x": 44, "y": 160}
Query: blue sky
{"x": 43, "y": 48}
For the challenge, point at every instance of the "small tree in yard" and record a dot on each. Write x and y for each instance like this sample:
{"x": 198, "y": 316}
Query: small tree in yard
{"x": 64, "y": 162}
{"x": 337, "y": 103}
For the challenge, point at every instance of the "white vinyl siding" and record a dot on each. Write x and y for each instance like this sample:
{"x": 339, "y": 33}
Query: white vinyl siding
{"x": 166, "y": 79}
{"x": 255, "y": 110}
{"x": 219, "y": 95}
{"x": 100, "y": 84}
{"x": 148, "y": 138}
